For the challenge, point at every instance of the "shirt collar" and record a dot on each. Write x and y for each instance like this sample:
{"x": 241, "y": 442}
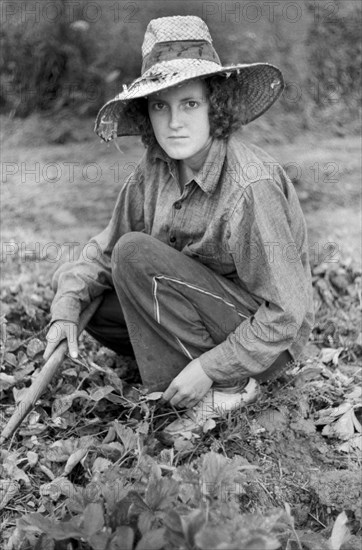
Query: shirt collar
{"x": 208, "y": 176}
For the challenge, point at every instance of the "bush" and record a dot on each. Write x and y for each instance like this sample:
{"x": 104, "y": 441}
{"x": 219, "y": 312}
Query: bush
{"x": 76, "y": 65}
{"x": 46, "y": 66}
{"x": 335, "y": 59}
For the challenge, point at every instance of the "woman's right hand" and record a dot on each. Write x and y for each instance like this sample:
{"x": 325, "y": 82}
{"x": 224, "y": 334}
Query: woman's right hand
{"x": 59, "y": 331}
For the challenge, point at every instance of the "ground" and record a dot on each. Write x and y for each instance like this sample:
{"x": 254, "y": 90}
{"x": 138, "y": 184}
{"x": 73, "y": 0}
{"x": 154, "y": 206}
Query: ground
{"x": 297, "y": 450}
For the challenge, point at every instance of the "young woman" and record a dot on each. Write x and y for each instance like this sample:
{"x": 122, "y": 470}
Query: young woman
{"x": 204, "y": 264}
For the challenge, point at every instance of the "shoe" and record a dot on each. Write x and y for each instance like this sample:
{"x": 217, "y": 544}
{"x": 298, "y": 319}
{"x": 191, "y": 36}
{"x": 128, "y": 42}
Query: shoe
{"x": 214, "y": 404}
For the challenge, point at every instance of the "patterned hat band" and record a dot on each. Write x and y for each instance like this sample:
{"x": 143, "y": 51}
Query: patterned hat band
{"x": 177, "y": 50}
{"x": 180, "y": 49}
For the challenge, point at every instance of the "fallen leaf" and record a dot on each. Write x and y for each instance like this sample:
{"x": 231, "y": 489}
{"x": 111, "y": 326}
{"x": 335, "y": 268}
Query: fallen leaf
{"x": 330, "y": 355}
{"x": 36, "y": 429}
{"x": 154, "y": 396}
{"x": 114, "y": 380}
{"x": 183, "y": 445}
{"x": 24, "y": 372}
{"x": 209, "y": 425}
{"x": 61, "y": 422}
{"x": 327, "y": 416}
{"x": 22, "y": 358}
{"x": 47, "y": 471}
{"x": 34, "y": 347}
{"x": 10, "y": 359}
{"x": 63, "y": 403}
{"x": 62, "y": 449}
{"x": 100, "y": 393}
{"x": 60, "y": 486}
{"x": 6, "y": 381}
{"x": 355, "y": 395}
{"x": 8, "y": 489}
{"x": 32, "y": 458}
{"x": 143, "y": 428}
{"x": 344, "y": 427}
{"x": 127, "y": 436}
{"x": 309, "y": 373}
{"x": 10, "y": 466}
{"x": 74, "y": 459}
{"x": 33, "y": 418}
{"x": 101, "y": 465}
{"x": 354, "y": 443}
{"x": 19, "y": 394}
{"x": 72, "y": 372}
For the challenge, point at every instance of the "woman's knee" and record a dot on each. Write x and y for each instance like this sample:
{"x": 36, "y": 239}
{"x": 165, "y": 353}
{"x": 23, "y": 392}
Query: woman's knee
{"x": 132, "y": 252}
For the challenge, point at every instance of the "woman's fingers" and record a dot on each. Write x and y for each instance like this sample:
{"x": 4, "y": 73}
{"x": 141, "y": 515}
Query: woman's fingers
{"x": 58, "y": 332}
{"x": 71, "y": 330}
{"x": 54, "y": 336}
{"x": 169, "y": 393}
{"x": 72, "y": 341}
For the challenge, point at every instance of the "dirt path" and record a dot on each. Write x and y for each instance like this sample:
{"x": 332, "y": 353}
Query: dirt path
{"x": 328, "y": 181}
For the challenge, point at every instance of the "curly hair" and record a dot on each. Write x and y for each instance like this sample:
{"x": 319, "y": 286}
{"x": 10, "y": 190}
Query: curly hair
{"x": 226, "y": 109}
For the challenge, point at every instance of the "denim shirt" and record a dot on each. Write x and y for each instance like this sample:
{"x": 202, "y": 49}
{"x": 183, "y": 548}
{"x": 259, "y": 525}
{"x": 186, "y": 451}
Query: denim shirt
{"x": 240, "y": 216}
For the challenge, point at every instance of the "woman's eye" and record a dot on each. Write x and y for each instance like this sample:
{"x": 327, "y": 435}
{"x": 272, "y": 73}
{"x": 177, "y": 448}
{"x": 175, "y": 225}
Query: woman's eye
{"x": 192, "y": 104}
{"x": 158, "y": 106}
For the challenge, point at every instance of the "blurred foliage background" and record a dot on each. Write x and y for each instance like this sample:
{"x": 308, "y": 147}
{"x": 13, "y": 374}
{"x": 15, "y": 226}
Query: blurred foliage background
{"x": 68, "y": 55}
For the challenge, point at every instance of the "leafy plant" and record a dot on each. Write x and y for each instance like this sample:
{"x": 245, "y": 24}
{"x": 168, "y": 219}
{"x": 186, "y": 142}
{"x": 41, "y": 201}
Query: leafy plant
{"x": 154, "y": 514}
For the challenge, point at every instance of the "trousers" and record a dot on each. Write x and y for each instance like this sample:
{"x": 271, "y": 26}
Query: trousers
{"x": 168, "y": 308}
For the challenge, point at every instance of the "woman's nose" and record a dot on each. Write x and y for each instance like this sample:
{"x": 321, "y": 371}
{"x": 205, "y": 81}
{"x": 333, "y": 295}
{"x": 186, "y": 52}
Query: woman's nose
{"x": 175, "y": 118}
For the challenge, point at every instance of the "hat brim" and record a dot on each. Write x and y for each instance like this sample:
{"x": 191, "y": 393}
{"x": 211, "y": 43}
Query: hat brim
{"x": 260, "y": 83}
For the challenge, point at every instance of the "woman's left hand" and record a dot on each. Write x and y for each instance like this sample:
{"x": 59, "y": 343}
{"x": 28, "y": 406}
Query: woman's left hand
{"x": 188, "y": 387}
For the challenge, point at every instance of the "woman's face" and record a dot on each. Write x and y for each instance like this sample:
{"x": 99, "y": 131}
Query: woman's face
{"x": 180, "y": 121}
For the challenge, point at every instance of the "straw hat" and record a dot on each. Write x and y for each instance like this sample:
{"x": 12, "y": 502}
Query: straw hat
{"x": 176, "y": 50}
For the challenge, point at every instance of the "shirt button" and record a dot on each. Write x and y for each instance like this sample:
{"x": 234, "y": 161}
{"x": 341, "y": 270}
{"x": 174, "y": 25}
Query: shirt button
{"x": 172, "y": 239}
{"x": 178, "y": 205}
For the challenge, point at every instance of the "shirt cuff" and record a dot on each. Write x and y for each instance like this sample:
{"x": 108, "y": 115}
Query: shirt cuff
{"x": 65, "y": 309}
{"x": 215, "y": 364}
{"x": 239, "y": 357}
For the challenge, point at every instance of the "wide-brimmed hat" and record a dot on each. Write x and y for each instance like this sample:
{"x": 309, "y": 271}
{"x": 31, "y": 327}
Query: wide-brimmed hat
{"x": 179, "y": 49}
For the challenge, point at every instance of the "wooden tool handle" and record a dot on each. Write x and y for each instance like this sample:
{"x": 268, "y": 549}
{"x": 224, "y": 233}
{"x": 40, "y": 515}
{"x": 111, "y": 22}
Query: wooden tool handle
{"x": 42, "y": 380}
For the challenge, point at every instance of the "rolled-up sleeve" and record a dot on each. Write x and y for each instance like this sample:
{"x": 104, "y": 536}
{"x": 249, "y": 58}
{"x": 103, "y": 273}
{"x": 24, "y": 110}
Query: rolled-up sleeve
{"x": 272, "y": 265}
{"x": 77, "y": 283}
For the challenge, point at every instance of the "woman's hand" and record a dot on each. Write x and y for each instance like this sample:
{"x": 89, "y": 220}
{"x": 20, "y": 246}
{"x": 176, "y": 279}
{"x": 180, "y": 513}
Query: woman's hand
{"x": 188, "y": 387}
{"x": 58, "y": 332}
